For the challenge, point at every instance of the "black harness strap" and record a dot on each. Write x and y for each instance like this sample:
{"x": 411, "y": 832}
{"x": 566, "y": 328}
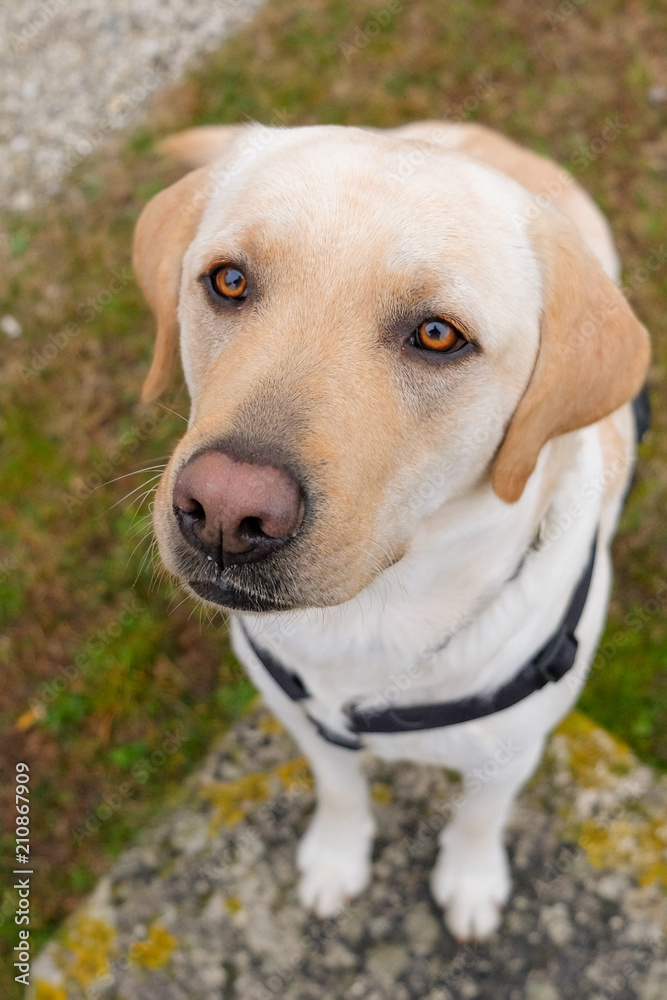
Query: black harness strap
{"x": 641, "y": 407}
{"x": 291, "y": 683}
{"x": 549, "y": 665}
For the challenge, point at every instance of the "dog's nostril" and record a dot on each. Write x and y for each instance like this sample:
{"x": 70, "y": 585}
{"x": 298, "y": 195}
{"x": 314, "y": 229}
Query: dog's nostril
{"x": 191, "y": 518}
{"x": 251, "y": 528}
{"x": 192, "y": 510}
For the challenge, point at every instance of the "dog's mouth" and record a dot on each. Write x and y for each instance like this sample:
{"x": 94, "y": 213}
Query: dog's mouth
{"x": 230, "y": 595}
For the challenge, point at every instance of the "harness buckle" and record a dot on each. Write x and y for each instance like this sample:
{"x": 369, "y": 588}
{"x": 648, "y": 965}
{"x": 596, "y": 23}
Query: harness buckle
{"x": 556, "y": 658}
{"x": 351, "y": 742}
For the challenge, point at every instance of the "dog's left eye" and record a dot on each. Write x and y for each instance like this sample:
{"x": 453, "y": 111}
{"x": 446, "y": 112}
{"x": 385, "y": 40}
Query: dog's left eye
{"x": 228, "y": 282}
{"x": 438, "y": 335}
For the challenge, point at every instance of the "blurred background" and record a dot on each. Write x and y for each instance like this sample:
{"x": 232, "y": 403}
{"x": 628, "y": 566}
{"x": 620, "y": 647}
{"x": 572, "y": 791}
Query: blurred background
{"x": 103, "y": 664}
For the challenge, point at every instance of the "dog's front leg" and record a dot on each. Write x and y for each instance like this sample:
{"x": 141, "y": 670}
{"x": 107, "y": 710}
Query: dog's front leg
{"x": 471, "y": 878}
{"x": 334, "y": 855}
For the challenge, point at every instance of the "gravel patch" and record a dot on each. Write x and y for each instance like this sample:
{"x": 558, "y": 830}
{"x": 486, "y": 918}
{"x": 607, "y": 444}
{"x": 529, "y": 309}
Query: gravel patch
{"x": 205, "y": 906}
{"x": 73, "y": 71}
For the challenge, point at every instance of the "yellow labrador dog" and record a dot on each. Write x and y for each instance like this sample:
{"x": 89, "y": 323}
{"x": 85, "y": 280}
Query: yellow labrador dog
{"x": 411, "y": 434}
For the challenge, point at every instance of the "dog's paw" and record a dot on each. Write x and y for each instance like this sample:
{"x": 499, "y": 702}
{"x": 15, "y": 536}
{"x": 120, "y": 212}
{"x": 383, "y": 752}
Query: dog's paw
{"x": 334, "y": 866}
{"x": 472, "y": 890}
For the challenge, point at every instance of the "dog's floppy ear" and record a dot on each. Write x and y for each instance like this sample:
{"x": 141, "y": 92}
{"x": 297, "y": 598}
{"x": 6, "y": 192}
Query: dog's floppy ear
{"x": 165, "y": 229}
{"x": 592, "y": 358}
{"x": 202, "y": 145}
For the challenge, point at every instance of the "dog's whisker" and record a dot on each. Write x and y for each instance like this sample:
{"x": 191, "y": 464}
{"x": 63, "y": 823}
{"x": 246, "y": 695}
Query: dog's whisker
{"x": 196, "y": 607}
{"x": 159, "y": 572}
{"x": 131, "y": 556}
{"x": 173, "y": 610}
{"x": 135, "y": 490}
{"x": 137, "y": 472}
{"x": 138, "y": 502}
{"x": 140, "y": 525}
{"x": 148, "y": 554}
{"x": 169, "y": 410}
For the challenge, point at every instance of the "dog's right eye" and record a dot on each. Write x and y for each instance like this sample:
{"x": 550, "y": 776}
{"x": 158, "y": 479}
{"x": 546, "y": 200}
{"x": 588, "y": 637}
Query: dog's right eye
{"x": 228, "y": 282}
{"x": 440, "y": 336}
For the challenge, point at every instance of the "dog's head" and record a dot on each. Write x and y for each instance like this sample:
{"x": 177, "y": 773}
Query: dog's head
{"x": 369, "y": 326}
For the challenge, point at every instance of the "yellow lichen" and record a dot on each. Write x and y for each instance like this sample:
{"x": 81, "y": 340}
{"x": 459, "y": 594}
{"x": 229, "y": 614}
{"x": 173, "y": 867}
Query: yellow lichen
{"x": 271, "y": 726}
{"x": 596, "y": 757}
{"x": 233, "y": 904}
{"x": 295, "y": 775}
{"x": 381, "y": 793}
{"x": 155, "y": 950}
{"x": 631, "y": 846}
{"x": 628, "y": 839}
{"x": 233, "y": 800}
{"x": 47, "y": 991}
{"x": 91, "y": 941}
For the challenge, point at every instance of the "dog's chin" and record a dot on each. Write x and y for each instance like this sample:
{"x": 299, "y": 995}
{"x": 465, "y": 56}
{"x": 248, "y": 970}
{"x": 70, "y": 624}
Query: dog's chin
{"x": 238, "y": 588}
{"x": 229, "y": 595}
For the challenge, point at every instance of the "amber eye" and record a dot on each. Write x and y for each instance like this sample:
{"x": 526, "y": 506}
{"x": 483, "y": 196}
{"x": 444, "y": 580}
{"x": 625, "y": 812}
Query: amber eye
{"x": 438, "y": 335}
{"x": 229, "y": 282}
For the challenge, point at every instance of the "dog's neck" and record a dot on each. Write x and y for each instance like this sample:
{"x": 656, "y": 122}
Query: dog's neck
{"x": 469, "y": 585}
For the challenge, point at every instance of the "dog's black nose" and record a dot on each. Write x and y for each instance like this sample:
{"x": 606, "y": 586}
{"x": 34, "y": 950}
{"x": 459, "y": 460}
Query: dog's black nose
{"x": 236, "y": 512}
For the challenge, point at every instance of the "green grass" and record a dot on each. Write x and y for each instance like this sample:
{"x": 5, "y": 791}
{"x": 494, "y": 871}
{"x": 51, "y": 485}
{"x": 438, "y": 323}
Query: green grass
{"x": 70, "y": 567}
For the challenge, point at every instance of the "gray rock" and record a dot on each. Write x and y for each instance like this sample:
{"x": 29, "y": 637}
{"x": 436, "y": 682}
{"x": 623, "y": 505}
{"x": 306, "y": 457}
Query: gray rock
{"x": 422, "y": 929}
{"x": 182, "y": 915}
{"x": 541, "y": 989}
{"x": 556, "y": 919}
{"x": 654, "y": 986}
{"x": 387, "y": 961}
{"x": 612, "y": 886}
